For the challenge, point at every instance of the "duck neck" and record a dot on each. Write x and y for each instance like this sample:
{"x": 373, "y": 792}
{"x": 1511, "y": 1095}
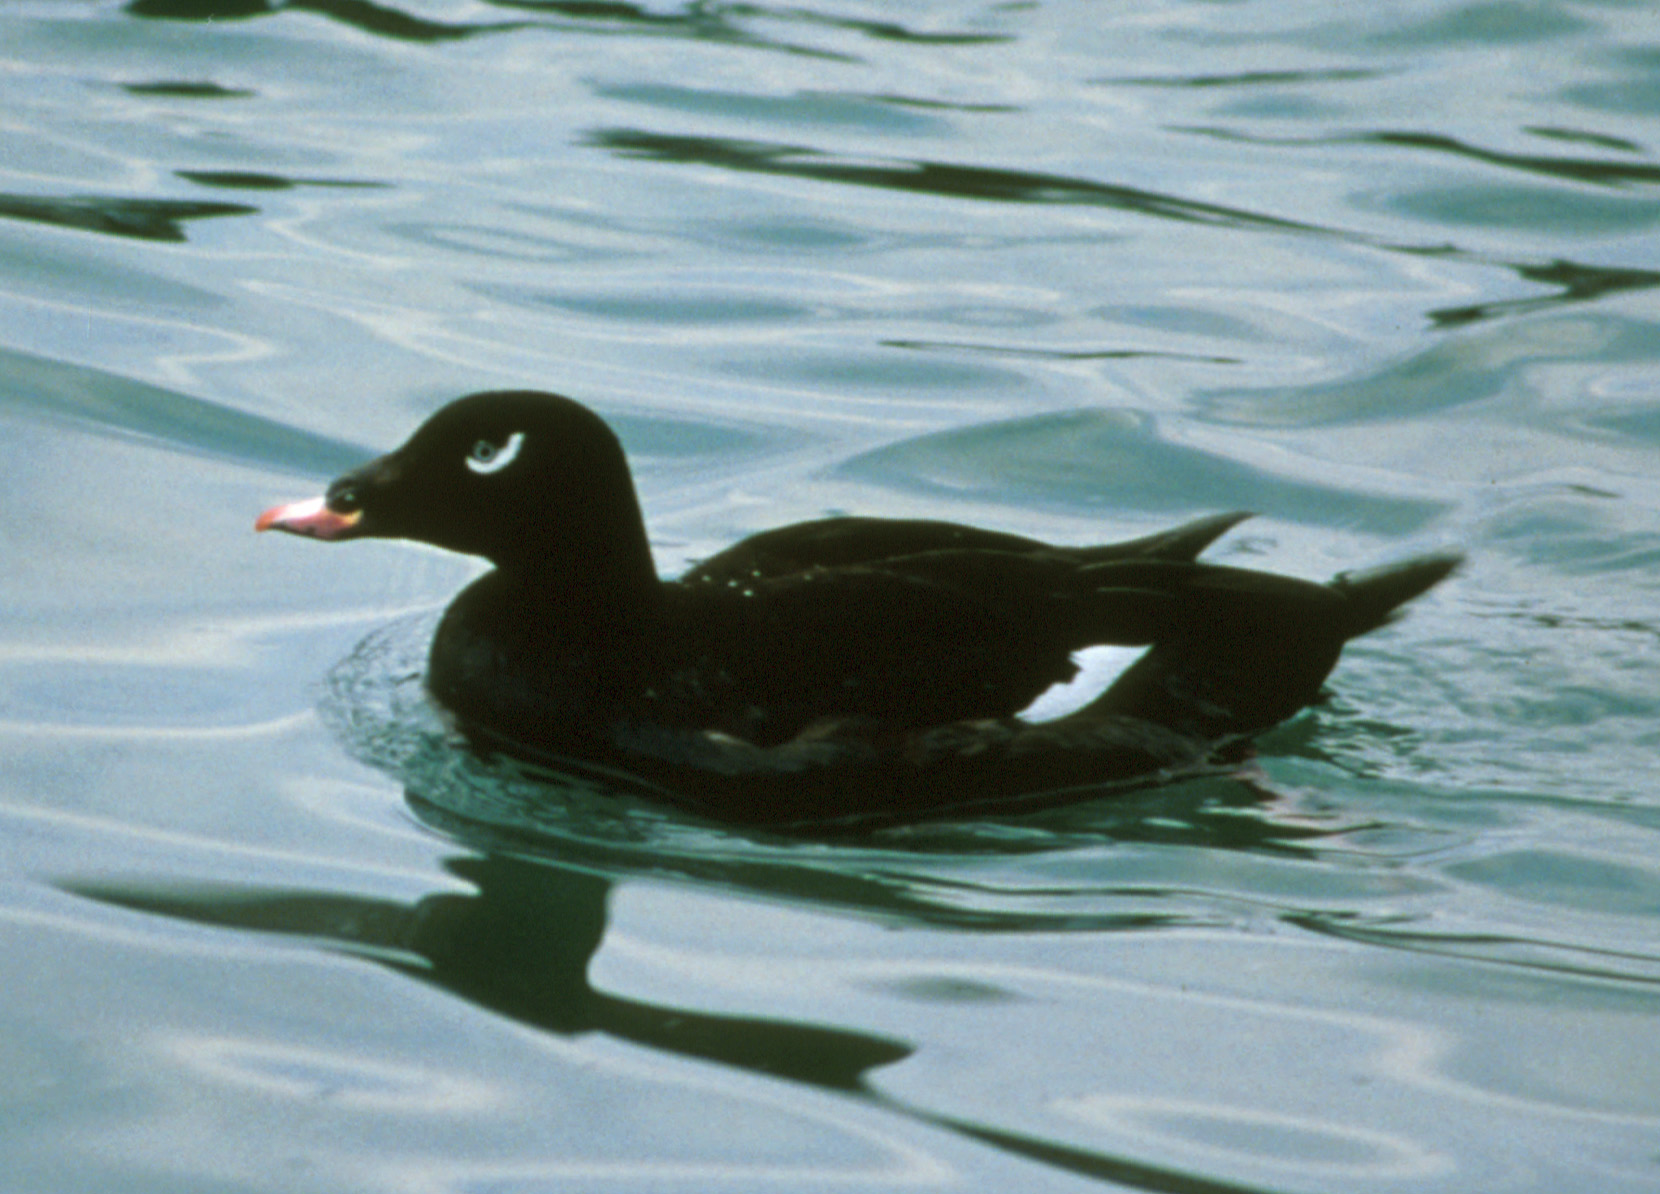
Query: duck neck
{"x": 602, "y": 571}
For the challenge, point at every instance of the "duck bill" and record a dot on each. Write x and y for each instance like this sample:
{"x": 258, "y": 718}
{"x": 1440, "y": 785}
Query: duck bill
{"x": 311, "y": 518}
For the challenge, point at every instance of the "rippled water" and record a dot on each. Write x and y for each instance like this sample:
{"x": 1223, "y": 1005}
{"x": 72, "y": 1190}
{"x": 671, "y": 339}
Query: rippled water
{"x": 1386, "y": 275}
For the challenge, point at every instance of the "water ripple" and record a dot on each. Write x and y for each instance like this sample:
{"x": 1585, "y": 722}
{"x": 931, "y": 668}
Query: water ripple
{"x": 145, "y": 219}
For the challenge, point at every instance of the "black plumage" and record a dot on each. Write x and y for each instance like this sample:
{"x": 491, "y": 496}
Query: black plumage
{"x": 840, "y": 667}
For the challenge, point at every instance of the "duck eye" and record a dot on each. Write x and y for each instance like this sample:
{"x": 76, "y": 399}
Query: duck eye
{"x": 488, "y": 457}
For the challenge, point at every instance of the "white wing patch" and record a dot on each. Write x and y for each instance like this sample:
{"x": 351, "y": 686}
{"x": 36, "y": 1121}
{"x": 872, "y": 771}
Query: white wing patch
{"x": 1098, "y": 667}
{"x": 486, "y": 457}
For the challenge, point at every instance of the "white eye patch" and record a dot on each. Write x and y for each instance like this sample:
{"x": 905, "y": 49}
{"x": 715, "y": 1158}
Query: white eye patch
{"x": 487, "y": 457}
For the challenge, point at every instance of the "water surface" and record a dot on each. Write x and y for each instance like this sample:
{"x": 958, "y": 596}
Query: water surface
{"x": 1386, "y": 277}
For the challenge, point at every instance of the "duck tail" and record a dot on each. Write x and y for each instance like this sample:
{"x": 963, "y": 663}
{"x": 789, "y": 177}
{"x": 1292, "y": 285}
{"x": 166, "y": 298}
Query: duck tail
{"x": 1234, "y": 652}
{"x": 1376, "y": 595}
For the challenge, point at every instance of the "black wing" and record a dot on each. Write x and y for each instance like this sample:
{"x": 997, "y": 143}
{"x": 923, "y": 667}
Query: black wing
{"x": 850, "y": 542}
{"x": 765, "y": 659}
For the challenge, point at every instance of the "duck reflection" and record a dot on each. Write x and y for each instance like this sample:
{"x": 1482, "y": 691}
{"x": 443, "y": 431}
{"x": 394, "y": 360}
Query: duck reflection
{"x": 520, "y": 945}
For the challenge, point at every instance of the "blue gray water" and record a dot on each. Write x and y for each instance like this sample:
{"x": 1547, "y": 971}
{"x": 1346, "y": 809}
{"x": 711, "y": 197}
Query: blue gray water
{"x": 1386, "y": 274}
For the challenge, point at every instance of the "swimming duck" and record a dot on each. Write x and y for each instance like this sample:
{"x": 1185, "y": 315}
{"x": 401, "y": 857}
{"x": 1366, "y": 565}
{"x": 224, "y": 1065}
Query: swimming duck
{"x": 839, "y": 668}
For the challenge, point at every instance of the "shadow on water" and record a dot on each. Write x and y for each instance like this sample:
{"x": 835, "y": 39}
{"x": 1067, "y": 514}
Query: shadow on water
{"x": 932, "y": 178}
{"x": 1572, "y": 282}
{"x": 1605, "y": 172}
{"x": 251, "y": 180}
{"x": 1249, "y": 78}
{"x": 1567, "y": 281}
{"x": 520, "y": 946}
{"x": 901, "y": 875}
{"x": 377, "y": 19}
{"x": 695, "y": 21}
{"x": 186, "y": 89}
{"x": 1526, "y": 954}
{"x": 143, "y": 219}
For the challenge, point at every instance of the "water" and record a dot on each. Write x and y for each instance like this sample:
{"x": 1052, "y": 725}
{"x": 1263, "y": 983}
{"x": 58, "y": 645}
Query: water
{"x": 1386, "y": 275}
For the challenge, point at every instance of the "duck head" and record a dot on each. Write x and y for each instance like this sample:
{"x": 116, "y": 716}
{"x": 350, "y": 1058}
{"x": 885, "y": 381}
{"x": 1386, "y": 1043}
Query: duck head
{"x": 527, "y": 480}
